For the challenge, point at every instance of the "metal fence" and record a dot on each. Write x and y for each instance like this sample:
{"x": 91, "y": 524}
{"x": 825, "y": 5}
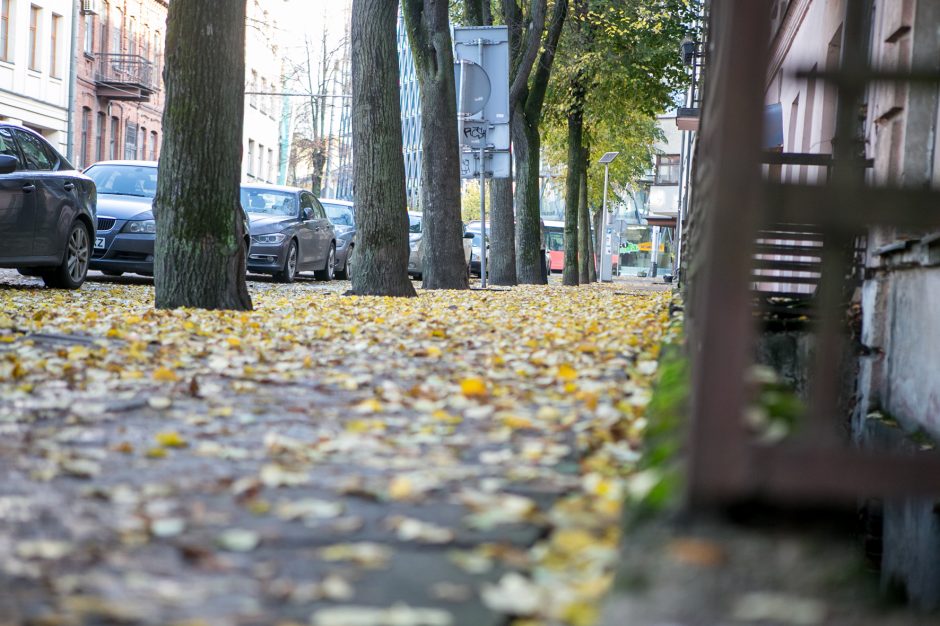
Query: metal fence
{"x": 740, "y": 214}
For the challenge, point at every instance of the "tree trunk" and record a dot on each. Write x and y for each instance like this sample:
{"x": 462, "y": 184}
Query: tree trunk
{"x": 317, "y": 159}
{"x": 428, "y": 24}
{"x": 473, "y": 12}
{"x": 381, "y": 267}
{"x": 501, "y": 231}
{"x": 200, "y": 252}
{"x": 501, "y": 262}
{"x": 573, "y": 182}
{"x": 597, "y": 245}
{"x": 526, "y": 117}
{"x": 529, "y": 242}
{"x": 584, "y": 228}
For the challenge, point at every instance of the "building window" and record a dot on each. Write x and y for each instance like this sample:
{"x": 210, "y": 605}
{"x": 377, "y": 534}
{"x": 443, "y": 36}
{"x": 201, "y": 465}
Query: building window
{"x": 264, "y": 95}
{"x": 34, "y": 14}
{"x": 99, "y": 137}
{"x": 157, "y": 47}
{"x": 143, "y": 143}
{"x": 260, "y": 169}
{"x": 254, "y": 89}
{"x": 117, "y": 34}
{"x": 251, "y": 157}
{"x": 132, "y": 36}
{"x": 667, "y": 169}
{"x": 270, "y": 164}
{"x": 130, "y": 141}
{"x": 115, "y": 129}
{"x": 54, "y": 39}
{"x": 153, "y": 145}
{"x": 86, "y": 137}
{"x": 4, "y": 30}
{"x": 89, "y": 34}
{"x": 103, "y": 23}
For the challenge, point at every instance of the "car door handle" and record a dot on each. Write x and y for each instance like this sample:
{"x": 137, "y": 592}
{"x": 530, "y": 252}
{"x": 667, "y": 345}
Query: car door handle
{"x": 69, "y": 186}
{"x": 29, "y": 188}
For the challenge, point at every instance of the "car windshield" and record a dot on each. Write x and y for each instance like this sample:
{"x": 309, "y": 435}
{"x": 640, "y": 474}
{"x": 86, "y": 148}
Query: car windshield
{"x": 414, "y": 223}
{"x": 125, "y": 180}
{"x": 339, "y": 214}
{"x": 269, "y": 202}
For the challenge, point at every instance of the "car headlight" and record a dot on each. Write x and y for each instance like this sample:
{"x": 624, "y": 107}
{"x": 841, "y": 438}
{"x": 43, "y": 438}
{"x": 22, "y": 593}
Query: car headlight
{"x": 269, "y": 239}
{"x": 141, "y": 226}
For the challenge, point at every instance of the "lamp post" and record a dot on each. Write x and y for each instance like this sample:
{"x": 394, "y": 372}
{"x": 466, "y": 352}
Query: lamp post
{"x": 606, "y": 269}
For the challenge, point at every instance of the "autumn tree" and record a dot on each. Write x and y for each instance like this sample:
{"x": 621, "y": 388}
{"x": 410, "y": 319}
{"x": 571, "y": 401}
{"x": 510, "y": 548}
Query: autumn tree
{"x": 428, "y": 26}
{"x": 532, "y": 44}
{"x": 501, "y": 230}
{"x": 620, "y": 70}
{"x": 381, "y": 267}
{"x": 317, "y": 76}
{"x": 200, "y": 253}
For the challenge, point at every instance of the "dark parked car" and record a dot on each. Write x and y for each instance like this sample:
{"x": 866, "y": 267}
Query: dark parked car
{"x": 126, "y": 230}
{"x": 290, "y": 233}
{"x": 343, "y": 215}
{"x": 47, "y": 210}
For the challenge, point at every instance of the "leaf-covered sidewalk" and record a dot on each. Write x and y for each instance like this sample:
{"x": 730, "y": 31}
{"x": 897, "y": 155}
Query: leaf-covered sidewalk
{"x": 457, "y": 458}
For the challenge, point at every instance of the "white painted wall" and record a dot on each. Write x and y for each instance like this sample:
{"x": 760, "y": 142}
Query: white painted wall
{"x": 35, "y": 98}
{"x": 261, "y": 137}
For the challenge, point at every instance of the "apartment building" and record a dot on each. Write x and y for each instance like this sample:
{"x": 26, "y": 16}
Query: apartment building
{"x": 262, "y": 131}
{"x": 35, "y": 49}
{"x": 119, "y": 85}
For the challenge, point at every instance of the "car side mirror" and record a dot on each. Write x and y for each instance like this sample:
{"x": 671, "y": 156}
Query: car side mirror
{"x": 468, "y": 235}
{"x": 308, "y": 213}
{"x": 8, "y": 164}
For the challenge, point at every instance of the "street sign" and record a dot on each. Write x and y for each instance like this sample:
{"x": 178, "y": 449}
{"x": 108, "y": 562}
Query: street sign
{"x": 473, "y": 85}
{"x": 488, "y": 47}
{"x": 497, "y": 164}
{"x": 481, "y": 63}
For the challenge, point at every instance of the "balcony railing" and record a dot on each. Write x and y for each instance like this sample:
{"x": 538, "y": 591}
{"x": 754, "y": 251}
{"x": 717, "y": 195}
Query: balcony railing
{"x": 129, "y": 72}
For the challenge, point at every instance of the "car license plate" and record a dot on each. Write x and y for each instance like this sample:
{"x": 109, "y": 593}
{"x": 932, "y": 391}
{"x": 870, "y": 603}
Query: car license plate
{"x": 99, "y": 243}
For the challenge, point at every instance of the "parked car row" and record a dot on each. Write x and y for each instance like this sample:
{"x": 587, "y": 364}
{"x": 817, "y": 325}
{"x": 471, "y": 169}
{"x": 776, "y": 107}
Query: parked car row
{"x": 57, "y": 223}
{"x": 416, "y": 245}
{"x": 289, "y": 230}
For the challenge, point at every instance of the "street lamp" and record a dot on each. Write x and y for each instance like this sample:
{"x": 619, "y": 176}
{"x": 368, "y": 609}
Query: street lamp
{"x": 607, "y": 269}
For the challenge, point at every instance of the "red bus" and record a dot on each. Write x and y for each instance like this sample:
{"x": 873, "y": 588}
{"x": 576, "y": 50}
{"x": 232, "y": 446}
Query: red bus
{"x": 555, "y": 244}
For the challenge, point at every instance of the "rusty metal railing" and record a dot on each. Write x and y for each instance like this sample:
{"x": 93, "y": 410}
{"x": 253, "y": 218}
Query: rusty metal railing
{"x": 125, "y": 69}
{"x": 736, "y": 211}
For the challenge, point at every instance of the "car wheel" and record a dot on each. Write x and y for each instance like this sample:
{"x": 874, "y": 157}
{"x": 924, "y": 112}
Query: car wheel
{"x": 74, "y": 268}
{"x": 114, "y": 273}
{"x": 289, "y": 272}
{"x": 327, "y": 272}
{"x": 346, "y": 272}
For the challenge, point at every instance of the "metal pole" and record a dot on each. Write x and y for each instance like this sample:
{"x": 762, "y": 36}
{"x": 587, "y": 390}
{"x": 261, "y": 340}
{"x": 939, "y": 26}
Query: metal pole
{"x": 73, "y": 87}
{"x": 482, "y": 186}
{"x": 606, "y": 269}
{"x": 483, "y": 217}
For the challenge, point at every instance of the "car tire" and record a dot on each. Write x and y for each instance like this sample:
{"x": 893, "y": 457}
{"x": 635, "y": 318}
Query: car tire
{"x": 346, "y": 273}
{"x": 74, "y": 268}
{"x": 289, "y": 272}
{"x": 112, "y": 273}
{"x": 327, "y": 272}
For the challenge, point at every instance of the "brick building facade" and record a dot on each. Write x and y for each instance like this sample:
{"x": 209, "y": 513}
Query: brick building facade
{"x": 119, "y": 87}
